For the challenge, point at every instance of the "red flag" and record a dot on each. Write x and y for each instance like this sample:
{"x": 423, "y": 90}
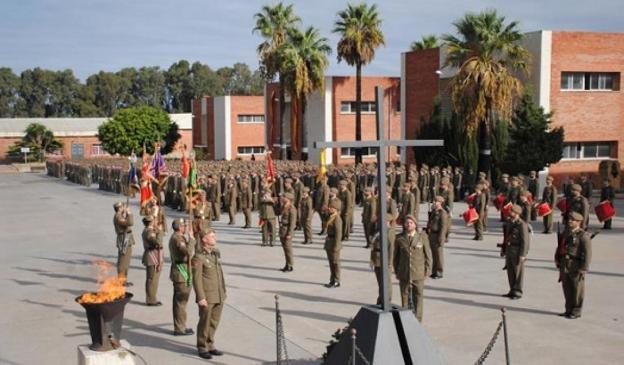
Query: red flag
{"x": 270, "y": 167}
{"x": 186, "y": 166}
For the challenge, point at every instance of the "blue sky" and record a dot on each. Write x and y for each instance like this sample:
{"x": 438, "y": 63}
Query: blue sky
{"x": 92, "y": 35}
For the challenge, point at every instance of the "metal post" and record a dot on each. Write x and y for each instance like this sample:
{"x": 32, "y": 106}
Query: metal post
{"x": 353, "y": 332}
{"x": 277, "y": 332}
{"x": 503, "y": 310}
{"x": 381, "y": 181}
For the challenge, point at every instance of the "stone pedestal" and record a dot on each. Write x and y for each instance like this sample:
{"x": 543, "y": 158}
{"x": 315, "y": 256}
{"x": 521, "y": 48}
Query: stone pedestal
{"x": 115, "y": 357}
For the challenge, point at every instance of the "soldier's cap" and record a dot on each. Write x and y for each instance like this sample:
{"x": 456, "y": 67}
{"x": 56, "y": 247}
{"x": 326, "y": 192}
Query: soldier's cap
{"x": 482, "y": 174}
{"x": 333, "y": 190}
{"x": 336, "y": 204}
{"x": 576, "y": 187}
{"x": 575, "y": 216}
{"x": 479, "y": 186}
{"x": 503, "y": 175}
{"x": 525, "y": 193}
{"x": 550, "y": 178}
{"x": 368, "y": 190}
{"x": 177, "y": 223}
{"x": 306, "y": 189}
{"x": 407, "y": 186}
{"x": 410, "y": 217}
{"x": 288, "y": 180}
{"x": 118, "y": 205}
{"x": 204, "y": 232}
{"x": 439, "y": 198}
{"x": 516, "y": 209}
{"x": 288, "y": 196}
{"x": 147, "y": 219}
{"x": 343, "y": 182}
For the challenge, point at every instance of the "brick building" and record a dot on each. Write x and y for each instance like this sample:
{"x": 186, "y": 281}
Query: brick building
{"x": 575, "y": 75}
{"x": 229, "y": 127}
{"x": 330, "y": 116}
{"x": 78, "y": 135}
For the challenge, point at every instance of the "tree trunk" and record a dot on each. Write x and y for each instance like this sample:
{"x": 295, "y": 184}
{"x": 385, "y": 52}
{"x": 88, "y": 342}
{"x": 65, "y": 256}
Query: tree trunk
{"x": 358, "y": 110}
{"x": 304, "y": 130}
{"x": 485, "y": 147}
{"x": 282, "y": 104}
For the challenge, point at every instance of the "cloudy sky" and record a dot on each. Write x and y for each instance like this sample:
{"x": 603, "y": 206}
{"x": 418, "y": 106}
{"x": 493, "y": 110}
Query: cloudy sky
{"x": 92, "y": 35}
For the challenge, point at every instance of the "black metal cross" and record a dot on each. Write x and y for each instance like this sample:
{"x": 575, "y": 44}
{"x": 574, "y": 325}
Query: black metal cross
{"x": 380, "y": 143}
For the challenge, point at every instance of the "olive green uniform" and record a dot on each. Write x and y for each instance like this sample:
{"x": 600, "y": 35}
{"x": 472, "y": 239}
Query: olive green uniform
{"x": 153, "y": 261}
{"x": 333, "y": 245}
{"x": 369, "y": 210}
{"x": 437, "y": 226}
{"x": 579, "y": 205}
{"x": 202, "y": 214}
{"x": 346, "y": 212}
{"x": 549, "y": 194}
{"x": 321, "y": 202}
{"x": 480, "y": 206}
{"x": 125, "y": 240}
{"x": 574, "y": 257}
{"x": 230, "y": 200}
{"x": 305, "y": 218}
{"x": 375, "y": 261}
{"x": 288, "y": 221}
{"x": 412, "y": 264}
{"x": 267, "y": 214}
{"x": 180, "y": 250}
{"x": 517, "y": 246}
{"x": 246, "y": 203}
{"x": 209, "y": 285}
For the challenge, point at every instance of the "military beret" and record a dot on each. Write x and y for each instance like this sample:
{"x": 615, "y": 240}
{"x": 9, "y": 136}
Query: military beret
{"x": 343, "y": 182}
{"x": 575, "y": 216}
{"x": 177, "y": 223}
{"x": 333, "y": 190}
{"x": 503, "y": 175}
{"x": 439, "y": 198}
{"x": 288, "y": 196}
{"x": 118, "y": 205}
{"x": 516, "y": 209}
{"x": 411, "y": 217}
{"x": 576, "y": 187}
{"x": 336, "y": 204}
{"x": 306, "y": 189}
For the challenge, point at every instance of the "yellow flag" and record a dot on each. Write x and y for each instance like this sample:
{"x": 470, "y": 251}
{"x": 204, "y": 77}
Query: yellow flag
{"x": 323, "y": 168}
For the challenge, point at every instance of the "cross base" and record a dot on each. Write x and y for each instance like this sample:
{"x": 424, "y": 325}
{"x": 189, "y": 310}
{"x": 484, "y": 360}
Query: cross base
{"x": 393, "y": 337}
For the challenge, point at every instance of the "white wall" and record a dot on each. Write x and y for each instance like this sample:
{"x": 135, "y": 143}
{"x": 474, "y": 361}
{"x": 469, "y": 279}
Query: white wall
{"x": 223, "y": 127}
{"x": 319, "y": 121}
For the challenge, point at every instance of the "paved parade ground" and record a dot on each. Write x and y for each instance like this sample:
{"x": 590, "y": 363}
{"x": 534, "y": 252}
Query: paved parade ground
{"x": 51, "y": 231}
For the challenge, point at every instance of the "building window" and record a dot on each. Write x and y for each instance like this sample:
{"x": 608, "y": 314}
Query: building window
{"x": 595, "y": 81}
{"x": 259, "y": 118}
{"x": 97, "y": 150}
{"x": 350, "y": 151}
{"x": 256, "y": 150}
{"x": 587, "y": 150}
{"x": 348, "y": 107}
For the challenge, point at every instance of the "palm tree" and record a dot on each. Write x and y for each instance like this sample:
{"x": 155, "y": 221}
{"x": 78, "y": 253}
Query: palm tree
{"x": 426, "y": 42}
{"x": 488, "y": 55}
{"x": 304, "y": 60}
{"x": 360, "y": 29}
{"x": 273, "y": 24}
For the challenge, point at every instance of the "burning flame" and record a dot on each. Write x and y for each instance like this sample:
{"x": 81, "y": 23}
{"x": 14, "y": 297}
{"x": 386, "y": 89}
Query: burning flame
{"x": 110, "y": 288}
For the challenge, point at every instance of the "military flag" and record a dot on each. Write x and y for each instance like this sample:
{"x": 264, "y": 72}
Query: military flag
{"x": 323, "y": 167}
{"x": 270, "y": 167}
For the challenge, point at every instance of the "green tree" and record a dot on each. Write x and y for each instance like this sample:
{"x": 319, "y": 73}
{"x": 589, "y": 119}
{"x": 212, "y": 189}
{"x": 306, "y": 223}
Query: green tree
{"x": 273, "y": 24}
{"x": 129, "y": 129}
{"x": 64, "y": 94}
{"x": 204, "y": 81}
{"x": 488, "y": 55}
{"x": 39, "y": 139}
{"x": 179, "y": 87}
{"x": 426, "y": 42}
{"x": 36, "y": 90}
{"x": 107, "y": 89}
{"x": 239, "y": 80}
{"x": 359, "y": 27}
{"x": 533, "y": 144}
{"x": 9, "y": 93}
{"x": 304, "y": 60}
{"x": 148, "y": 88}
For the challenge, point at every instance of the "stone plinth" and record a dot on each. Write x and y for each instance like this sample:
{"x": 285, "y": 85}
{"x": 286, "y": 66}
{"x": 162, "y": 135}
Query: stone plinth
{"x": 121, "y": 356}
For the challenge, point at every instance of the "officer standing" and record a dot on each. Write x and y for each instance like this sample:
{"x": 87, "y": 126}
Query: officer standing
{"x": 246, "y": 202}
{"x": 123, "y": 222}
{"x": 347, "y": 208}
{"x": 288, "y": 221}
{"x": 333, "y": 242}
{"x": 548, "y": 197}
{"x": 579, "y": 204}
{"x": 607, "y": 194}
{"x": 267, "y": 215}
{"x": 321, "y": 202}
{"x": 516, "y": 250}
{"x": 375, "y": 259}
{"x": 210, "y": 293}
{"x": 412, "y": 264}
{"x": 480, "y": 206}
{"x": 153, "y": 259}
{"x": 369, "y": 210}
{"x": 181, "y": 251}
{"x": 436, "y": 228}
{"x": 305, "y": 215}
{"x": 573, "y": 258}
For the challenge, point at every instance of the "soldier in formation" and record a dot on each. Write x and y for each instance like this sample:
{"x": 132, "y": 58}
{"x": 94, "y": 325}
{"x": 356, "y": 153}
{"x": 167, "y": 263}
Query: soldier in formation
{"x": 123, "y": 222}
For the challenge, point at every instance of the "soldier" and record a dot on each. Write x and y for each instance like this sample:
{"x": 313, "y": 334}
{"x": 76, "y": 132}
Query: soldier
{"x": 549, "y": 194}
{"x": 321, "y": 202}
{"x": 153, "y": 259}
{"x": 457, "y": 183}
{"x": 347, "y": 209}
{"x": 573, "y": 258}
{"x": 578, "y": 203}
{"x": 230, "y": 200}
{"x": 479, "y": 205}
{"x": 333, "y": 242}
{"x": 437, "y": 226}
{"x": 513, "y": 195}
{"x": 586, "y": 187}
{"x": 412, "y": 264}
{"x": 375, "y": 259}
{"x": 532, "y": 186}
{"x": 526, "y": 206}
{"x": 288, "y": 221}
{"x": 123, "y": 222}
{"x": 423, "y": 184}
{"x": 607, "y": 194}
{"x": 369, "y": 210}
{"x": 202, "y": 214}
{"x": 181, "y": 251}
{"x": 210, "y": 293}
{"x": 305, "y": 215}
{"x": 246, "y": 202}
{"x": 408, "y": 203}
{"x": 515, "y": 252}
{"x": 267, "y": 215}
{"x": 297, "y": 188}
{"x": 447, "y": 192}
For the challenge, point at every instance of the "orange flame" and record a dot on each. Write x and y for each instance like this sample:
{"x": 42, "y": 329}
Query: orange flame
{"x": 110, "y": 288}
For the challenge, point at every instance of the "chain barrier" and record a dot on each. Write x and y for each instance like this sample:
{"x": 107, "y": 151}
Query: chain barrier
{"x": 490, "y": 345}
{"x": 356, "y": 352}
{"x": 282, "y": 349}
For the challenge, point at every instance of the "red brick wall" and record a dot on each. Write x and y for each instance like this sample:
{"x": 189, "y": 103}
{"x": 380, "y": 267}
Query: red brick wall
{"x": 196, "y": 121}
{"x": 246, "y": 134}
{"x": 344, "y": 124}
{"x": 587, "y": 116}
{"x": 421, "y": 88}
{"x": 5, "y": 143}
